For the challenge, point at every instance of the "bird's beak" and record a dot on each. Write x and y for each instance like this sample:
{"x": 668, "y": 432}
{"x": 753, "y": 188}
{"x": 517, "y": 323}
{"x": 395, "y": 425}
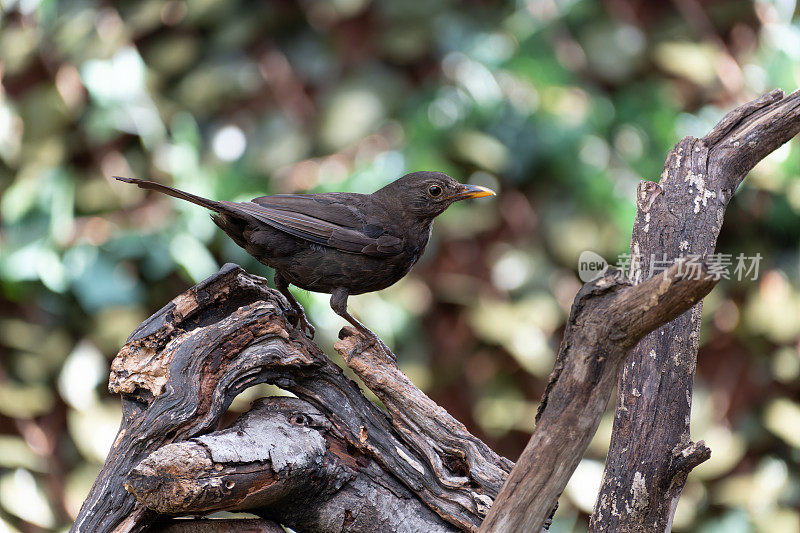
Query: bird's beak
{"x": 472, "y": 191}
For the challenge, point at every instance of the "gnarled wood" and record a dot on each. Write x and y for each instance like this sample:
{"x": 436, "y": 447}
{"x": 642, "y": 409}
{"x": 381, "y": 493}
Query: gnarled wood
{"x": 182, "y": 367}
{"x": 338, "y": 462}
{"x": 460, "y": 460}
{"x": 285, "y": 460}
{"x": 168, "y": 375}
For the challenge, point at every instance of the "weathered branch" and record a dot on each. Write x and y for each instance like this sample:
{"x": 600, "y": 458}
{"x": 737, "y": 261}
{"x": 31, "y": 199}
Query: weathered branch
{"x": 651, "y": 452}
{"x": 608, "y": 317}
{"x": 285, "y": 460}
{"x": 460, "y": 460}
{"x": 328, "y": 461}
{"x": 179, "y": 345}
{"x": 181, "y": 369}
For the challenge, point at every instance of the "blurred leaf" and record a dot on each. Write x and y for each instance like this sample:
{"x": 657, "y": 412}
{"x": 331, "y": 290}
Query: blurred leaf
{"x": 694, "y": 61}
{"x": 733, "y": 521}
{"x": 94, "y": 428}
{"x": 520, "y": 328}
{"x": 21, "y": 495}
{"x": 193, "y": 257}
{"x": 97, "y": 281}
{"x": 584, "y": 484}
{"x": 482, "y": 150}
{"x": 77, "y": 484}
{"x": 15, "y": 453}
{"x": 25, "y": 401}
{"x": 502, "y": 412}
{"x": 782, "y": 417}
{"x": 83, "y": 370}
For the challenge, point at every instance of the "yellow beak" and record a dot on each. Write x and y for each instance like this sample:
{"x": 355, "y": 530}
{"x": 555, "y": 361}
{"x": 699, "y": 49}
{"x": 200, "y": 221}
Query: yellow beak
{"x": 472, "y": 191}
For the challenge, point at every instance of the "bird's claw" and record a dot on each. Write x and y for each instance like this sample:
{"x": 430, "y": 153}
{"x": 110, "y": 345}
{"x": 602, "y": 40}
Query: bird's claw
{"x": 380, "y": 345}
{"x": 371, "y": 339}
{"x": 300, "y": 321}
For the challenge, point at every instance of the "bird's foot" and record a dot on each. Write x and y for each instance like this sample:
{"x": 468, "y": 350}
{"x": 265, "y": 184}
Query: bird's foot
{"x": 374, "y": 341}
{"x": 299, "y": 320}
{"x": 369, "y": 340}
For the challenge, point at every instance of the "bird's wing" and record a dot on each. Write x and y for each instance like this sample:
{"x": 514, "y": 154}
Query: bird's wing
{"x": 324, "y": 220}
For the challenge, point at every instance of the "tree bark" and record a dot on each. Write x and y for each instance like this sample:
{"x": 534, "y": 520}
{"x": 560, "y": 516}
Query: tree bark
{"x": 651, "y": 452}
{"x": 607, "y": 319}
{"x": 282, "y": 459}
{"x": 183, "y": 366}
{"x": 244, "y": 525}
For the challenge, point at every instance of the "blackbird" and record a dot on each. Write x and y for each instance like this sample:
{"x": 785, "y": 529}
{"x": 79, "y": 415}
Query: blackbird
{"x": 339, "y": 243}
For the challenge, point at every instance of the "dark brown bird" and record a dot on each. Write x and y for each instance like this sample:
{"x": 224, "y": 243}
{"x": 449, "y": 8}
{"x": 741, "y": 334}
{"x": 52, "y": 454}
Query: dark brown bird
{"x": 338, "y": 243}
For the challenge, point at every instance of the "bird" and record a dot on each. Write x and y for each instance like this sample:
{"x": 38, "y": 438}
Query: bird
{"x": 340, "y": 243}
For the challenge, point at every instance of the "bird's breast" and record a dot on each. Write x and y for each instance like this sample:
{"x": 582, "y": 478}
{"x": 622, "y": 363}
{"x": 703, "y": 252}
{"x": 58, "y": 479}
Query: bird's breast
{"x": 323, "y": 269}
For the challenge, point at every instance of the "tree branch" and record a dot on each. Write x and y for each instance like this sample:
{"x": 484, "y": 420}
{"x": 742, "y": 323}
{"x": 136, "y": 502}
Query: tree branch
{"x": 460, "y": 460}
{"x": 285, "y": 460}
{"x": 651, "y": 452}
{"x": 608, "y": 317}
{"x": 328, "y": 461}
{"x": 181, "y": 369}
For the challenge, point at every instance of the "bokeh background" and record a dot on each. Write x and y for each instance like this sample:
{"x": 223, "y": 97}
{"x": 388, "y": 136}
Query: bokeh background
{"x": 560, "y": 105}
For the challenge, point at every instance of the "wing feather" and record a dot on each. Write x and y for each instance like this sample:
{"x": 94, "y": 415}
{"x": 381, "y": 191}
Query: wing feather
{"x": 331, "y": 224}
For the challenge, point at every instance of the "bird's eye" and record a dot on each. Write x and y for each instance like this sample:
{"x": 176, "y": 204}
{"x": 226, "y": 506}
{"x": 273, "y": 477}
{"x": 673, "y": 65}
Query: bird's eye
{"x": 435, "y": 191}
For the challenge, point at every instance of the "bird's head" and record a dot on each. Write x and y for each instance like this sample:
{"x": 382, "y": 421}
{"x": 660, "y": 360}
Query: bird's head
{"x": 428, "y": 194}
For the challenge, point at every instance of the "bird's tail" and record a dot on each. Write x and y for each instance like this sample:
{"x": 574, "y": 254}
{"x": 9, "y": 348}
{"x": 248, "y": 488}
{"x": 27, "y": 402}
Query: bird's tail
{"x": 177, "y": 193}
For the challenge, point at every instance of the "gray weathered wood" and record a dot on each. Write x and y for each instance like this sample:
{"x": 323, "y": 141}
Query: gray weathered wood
{"x": 651, "y": 452}
{"x": 285, "y": 460}
{"x": 608, "y": 317}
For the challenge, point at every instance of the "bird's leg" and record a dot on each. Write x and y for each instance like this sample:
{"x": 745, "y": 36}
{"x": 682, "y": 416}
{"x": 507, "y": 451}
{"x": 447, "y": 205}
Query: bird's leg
{"x": 339, "y": 306}
{"x": 299, "y": 314}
